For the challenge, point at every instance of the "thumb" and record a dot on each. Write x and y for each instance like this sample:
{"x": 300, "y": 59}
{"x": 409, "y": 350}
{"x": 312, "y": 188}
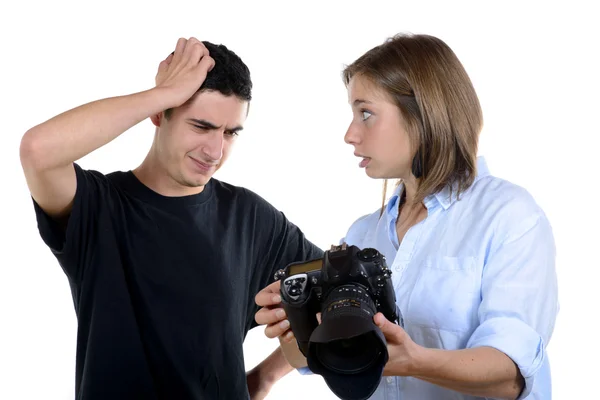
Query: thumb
{"x": 382, "y": 323}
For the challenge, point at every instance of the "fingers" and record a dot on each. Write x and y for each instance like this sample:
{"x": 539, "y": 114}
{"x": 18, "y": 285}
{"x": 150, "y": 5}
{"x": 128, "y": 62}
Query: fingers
{"x": 206, "y": 64}
{"x": 271, "y": 313}
{"x": 165, "y": 63}
{"x": 266, "y": 316}
{"x": 179, "y": 48}
{"x": 276, "y": 330}
{"x": 267, "y": 299}
{"x": 194, "y": 51}
{"x": 275, "y": 319}
{"x": 191, "y": 52}
{"x": 287, "y": 337}
{"x": 269, "y": 296}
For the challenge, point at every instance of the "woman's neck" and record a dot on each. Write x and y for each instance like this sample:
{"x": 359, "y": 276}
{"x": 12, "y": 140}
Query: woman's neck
{"x": 410, "y": 189}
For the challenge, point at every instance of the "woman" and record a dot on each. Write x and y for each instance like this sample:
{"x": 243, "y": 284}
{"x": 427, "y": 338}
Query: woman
{"x": 472, "y": 256}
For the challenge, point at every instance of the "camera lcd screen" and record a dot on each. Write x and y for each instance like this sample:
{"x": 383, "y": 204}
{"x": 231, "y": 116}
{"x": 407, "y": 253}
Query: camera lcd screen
{"x": 305, "y": 267}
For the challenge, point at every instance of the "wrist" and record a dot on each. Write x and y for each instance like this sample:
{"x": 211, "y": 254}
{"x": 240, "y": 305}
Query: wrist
{"x": 163, "y": 97}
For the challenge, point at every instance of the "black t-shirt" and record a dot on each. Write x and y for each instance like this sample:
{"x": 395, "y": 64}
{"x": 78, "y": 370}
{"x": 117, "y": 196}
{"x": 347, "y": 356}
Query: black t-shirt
{"x": 164, "y": 287}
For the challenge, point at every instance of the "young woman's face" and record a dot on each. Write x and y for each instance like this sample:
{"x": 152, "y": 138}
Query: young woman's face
{"x": 378, "y": 132}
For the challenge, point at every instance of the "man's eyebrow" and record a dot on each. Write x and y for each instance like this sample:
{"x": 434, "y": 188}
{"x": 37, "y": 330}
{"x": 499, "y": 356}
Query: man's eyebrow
{"x": 204, "y": 123}
{"x": 209, "y": 125}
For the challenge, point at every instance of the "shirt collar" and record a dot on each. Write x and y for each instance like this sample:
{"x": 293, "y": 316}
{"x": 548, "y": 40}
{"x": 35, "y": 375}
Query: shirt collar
{"x": 444, "y": 197}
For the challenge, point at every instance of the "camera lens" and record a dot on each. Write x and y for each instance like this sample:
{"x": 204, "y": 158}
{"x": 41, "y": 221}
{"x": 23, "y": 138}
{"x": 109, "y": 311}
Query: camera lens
{"x": 345, "y": 307}
{"x": 349, "y": 355}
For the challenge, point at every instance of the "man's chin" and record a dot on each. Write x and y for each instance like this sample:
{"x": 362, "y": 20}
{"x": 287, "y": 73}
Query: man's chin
{"x": 195, "y": 180}
{"x": 198, "y": 182}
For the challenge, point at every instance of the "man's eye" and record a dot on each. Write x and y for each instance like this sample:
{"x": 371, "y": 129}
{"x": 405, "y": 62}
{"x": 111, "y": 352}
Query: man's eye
{"x": 231, "y": 133}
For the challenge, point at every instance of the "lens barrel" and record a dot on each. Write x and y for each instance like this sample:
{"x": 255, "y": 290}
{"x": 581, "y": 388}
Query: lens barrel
{"x": 348, "y": 355}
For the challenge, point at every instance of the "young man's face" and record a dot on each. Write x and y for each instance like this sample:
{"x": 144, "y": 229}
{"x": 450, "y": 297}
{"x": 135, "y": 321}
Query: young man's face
{"x": 196, "y": 139}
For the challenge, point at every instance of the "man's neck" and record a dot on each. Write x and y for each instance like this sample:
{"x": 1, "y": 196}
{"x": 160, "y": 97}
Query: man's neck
{"x": 155, "y": 177}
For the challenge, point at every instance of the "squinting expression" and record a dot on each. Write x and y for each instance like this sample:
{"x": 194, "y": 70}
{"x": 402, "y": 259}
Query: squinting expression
{"x": 377, "y": 132}
{"x": 197, "y": 138}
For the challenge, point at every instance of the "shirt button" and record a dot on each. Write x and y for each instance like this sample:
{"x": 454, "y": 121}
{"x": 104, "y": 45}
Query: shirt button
{"x": 390, "y": 379}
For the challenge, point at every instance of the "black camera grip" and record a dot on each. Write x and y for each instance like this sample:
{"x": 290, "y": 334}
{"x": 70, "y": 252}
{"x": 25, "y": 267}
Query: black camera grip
{"x": 388, "y": 305}
{"x": 302, "y": 323}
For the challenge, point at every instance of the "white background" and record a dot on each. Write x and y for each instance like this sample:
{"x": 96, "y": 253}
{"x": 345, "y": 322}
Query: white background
{"x": 534, "y": 66}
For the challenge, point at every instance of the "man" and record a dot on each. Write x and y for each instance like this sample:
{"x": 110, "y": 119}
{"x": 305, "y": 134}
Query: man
{"x": 163, "y": 261}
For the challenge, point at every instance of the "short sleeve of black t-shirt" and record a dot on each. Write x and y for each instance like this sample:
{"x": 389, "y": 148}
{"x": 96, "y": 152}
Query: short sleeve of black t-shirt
{"x": 72, "y": 244}
{"x": 164, "y": 287}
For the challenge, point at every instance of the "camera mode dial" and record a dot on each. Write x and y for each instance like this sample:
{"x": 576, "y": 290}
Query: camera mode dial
{"x": 368, "y": 254}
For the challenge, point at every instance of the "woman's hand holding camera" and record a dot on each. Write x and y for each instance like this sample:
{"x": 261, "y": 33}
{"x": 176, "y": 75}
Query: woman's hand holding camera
{"x": 272, "y": 313}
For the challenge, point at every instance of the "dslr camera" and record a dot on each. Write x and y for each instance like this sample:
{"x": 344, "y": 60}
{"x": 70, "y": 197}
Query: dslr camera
{"x": 348, "y": 286}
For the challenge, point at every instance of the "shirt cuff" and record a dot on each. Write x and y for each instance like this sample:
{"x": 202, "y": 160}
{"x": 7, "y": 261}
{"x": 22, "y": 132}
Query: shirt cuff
{"x": 517, "y": 340}
{"x": 304, "y": 371}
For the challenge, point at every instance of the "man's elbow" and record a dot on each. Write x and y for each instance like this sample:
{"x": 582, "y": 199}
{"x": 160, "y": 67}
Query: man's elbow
{"x": 31, "y": 152}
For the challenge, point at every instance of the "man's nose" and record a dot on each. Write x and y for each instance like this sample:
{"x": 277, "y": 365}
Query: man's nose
{"x": 213, "y": 148}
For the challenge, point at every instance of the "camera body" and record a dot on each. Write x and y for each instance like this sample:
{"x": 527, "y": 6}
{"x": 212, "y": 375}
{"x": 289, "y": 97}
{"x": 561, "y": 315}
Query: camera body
{"x": 345, "y": 282}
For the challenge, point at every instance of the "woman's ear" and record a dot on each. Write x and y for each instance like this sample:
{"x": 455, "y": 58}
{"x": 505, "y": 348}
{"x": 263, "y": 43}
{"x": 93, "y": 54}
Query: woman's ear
{"x": 417, "y": 165}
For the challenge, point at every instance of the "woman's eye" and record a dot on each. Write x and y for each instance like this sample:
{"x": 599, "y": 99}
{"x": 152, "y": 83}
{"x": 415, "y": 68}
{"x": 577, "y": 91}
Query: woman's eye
{"x": 365, "y": 115}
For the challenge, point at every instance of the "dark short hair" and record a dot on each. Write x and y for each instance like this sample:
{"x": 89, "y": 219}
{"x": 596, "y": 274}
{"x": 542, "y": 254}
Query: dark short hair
{"x": 230, "y": 76}
{"x": 436, "y": 98}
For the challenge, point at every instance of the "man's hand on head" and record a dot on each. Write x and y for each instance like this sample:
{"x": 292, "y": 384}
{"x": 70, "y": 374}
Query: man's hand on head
{"x": 182, "y": 73}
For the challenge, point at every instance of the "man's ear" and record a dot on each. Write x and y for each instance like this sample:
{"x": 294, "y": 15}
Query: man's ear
{"x": 157, "y": 118}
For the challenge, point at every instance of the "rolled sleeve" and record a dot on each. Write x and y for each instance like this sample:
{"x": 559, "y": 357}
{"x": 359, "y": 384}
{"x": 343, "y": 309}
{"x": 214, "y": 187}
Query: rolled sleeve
{"x": 519, "y": 297}
{"x": 517, "y": 340}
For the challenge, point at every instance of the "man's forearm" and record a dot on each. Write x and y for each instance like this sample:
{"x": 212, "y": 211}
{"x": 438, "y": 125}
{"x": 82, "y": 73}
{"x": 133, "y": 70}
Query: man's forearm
{"x": 272, "y": 368}
{"x": 292, "y": 353}
{"x": 73, "y": 134}
{"x": 483, "y": 371}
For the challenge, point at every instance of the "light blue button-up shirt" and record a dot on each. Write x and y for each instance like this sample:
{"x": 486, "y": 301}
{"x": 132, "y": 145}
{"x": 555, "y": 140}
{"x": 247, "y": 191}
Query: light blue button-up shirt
{"x": 479, "y": 271}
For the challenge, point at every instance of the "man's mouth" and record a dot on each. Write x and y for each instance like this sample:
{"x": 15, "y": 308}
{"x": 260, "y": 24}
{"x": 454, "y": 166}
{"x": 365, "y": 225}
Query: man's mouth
{"x": 202, "y": 165}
